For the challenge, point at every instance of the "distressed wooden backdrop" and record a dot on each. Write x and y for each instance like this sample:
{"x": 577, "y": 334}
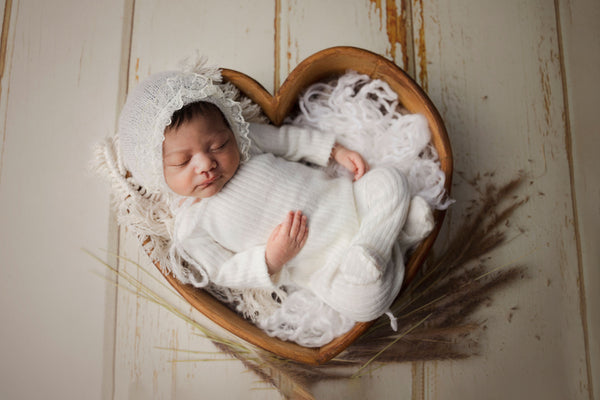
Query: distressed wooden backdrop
{"x": 517, "y": 83}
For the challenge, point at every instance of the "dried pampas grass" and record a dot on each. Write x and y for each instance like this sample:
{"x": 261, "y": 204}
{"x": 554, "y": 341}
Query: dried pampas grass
{"x": 436, "y": 311}
{"x": 443, "y": 297}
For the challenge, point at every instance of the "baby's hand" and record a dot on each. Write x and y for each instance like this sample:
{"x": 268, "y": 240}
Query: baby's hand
{"x": 351, "y": 160}
{"x": 286, "y": 241}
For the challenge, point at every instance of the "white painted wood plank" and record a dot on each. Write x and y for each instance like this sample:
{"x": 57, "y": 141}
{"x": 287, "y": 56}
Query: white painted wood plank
{"x": 309, "y": 26}
{"x": 581, "y": 48}
{"x": 233, "y": 35}
{"x": 493, "y": 69}
{"x": 58, "y": 98}
{"x": 150, "y": 338}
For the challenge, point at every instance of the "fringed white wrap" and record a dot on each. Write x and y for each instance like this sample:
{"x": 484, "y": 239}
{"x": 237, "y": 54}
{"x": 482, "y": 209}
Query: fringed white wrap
{"x": 306, "y": 320}
{"x": 365, "y": 116}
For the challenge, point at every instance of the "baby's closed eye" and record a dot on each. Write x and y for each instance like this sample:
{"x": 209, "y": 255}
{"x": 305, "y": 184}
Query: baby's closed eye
{"x": 220, "y": 147}
{"x": 177, "y": 161}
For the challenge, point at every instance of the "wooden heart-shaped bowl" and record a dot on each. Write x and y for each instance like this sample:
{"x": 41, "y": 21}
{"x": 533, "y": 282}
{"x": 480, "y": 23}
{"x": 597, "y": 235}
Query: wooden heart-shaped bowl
{"x": 324, "y": 65}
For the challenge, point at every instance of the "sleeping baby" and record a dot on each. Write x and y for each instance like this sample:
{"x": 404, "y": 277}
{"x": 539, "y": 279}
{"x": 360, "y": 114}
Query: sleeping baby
{"x": 252, "y": 207}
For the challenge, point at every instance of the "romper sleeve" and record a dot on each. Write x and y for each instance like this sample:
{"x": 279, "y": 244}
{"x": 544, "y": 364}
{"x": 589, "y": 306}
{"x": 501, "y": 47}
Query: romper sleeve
{"x": 246, "y": 269}
{"x": 293, "y": 143}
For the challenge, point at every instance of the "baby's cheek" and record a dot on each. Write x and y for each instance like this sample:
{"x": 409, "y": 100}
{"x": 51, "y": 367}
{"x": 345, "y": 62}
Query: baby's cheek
{"x": 176, "y": 183}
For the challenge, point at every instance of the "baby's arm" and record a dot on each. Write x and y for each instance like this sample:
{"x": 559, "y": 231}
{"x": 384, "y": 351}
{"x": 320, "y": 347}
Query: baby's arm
{"x": 214, "y": 263}
{"x": 351, "y": 160}
{"x": 293, "y": 143}
{"x": 286, "y": 241}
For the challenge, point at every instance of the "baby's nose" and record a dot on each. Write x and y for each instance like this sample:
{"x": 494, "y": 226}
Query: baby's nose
{"x": 202, "y": 163}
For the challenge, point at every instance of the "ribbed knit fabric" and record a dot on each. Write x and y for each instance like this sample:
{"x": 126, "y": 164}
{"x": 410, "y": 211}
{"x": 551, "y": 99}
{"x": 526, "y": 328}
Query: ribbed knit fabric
{"x": 382, "y": 201}
{"x": 225, "y": 235}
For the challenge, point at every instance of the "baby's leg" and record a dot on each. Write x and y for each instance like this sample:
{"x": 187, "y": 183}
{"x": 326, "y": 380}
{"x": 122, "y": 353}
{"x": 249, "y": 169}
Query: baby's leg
{"x": 382, "y": 201}
{"x": 419, "y": 223}
{"x": 365, "y": 302}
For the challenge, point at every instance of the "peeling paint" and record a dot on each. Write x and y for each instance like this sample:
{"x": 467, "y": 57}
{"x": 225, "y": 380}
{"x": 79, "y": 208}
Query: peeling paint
{"x": 392, "y": 26}
{"x": 377, "y": 5}
{"x": 418, "y": 380}
{"x": 137, "y": 70}
{"x": 3, "y": 47}
{"x": 394, "y": 32}
{"x": 4, "y": 38}
{"x": 277, "y": 47}
{"x": 422, "y": 50}
{"x": 289, "y": 42}
{"x": 405, "y": 37}
{"x": 398, "y": 28}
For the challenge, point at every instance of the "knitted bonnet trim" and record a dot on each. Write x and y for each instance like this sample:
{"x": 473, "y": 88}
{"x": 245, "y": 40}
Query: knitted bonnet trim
{"x": 148, "y": 112}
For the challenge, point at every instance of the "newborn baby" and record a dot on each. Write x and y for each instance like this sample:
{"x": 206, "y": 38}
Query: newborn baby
{"x": 250, "y": 212}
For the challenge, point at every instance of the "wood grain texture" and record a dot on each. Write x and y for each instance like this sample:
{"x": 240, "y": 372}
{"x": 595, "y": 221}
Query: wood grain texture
{"x": 6, "y": 9}
{"x": 494, "y": 70}
{"x": 232, "y": 34}
{"x": 58, "y": 98}
{"x": 580, "y": 39}
{"x": 313, "y": 25}
{"x": 516, "y": 83}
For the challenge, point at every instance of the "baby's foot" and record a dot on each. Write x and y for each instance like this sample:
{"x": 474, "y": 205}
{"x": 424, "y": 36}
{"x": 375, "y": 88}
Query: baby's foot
{"x": 361, "y": 266}
{"x": 419, "y": 222}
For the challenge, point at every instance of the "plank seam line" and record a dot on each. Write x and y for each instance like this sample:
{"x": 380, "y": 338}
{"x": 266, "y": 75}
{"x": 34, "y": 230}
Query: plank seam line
{"x": 3, "y": 46}
{"x": 122, "y": 96}
{"x": 569, "y": 149}
{"x": 411, "y": 56}
{"x": 418, "y": 369}
{"x": 277, "y": 46}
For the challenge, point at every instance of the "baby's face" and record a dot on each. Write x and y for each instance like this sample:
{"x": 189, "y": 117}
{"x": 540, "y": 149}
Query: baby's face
{"x": 200, "y": 156}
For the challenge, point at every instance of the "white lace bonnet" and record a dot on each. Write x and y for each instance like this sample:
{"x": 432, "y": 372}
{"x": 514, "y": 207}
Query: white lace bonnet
{"x": 148, "y": 111}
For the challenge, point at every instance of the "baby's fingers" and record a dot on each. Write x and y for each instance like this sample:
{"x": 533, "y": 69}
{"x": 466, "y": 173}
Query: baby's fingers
{"x": 303, "y": 233}
{"x": 364, "y": 168}
{"x": 296, "y": 223}
{"x": 287, "y": 224}
{"x": 361, "y": 166}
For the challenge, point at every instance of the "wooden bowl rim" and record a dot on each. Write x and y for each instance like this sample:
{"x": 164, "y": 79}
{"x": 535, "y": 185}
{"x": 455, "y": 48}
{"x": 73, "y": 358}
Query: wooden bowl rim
{"x": 321, "y": 65}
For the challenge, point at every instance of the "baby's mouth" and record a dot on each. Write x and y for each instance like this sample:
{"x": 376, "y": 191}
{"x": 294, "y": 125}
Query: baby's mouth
{"x": 208, "y": 182}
